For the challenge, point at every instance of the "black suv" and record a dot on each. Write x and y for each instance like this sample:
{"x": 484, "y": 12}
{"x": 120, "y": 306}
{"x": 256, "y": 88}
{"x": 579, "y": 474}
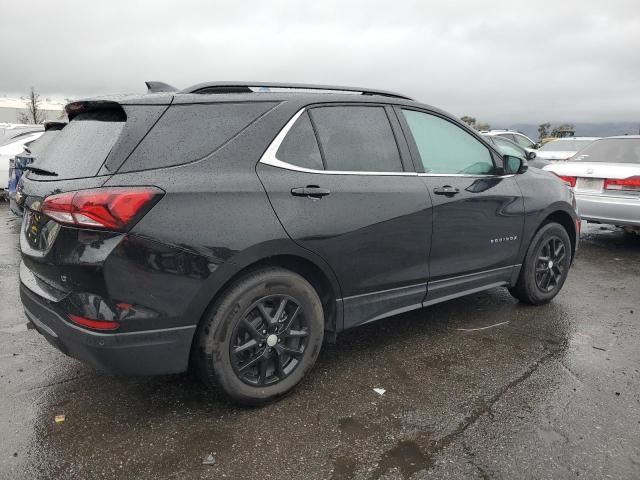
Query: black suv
{"x": 235, "y": 226}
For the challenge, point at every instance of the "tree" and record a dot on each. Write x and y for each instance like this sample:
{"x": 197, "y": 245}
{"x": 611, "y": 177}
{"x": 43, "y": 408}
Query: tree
{"x": 482, "y": 126}
{"x": 34, "y": 114}
{"x": 471, "y": 121}
{"x": 543, "y": 130}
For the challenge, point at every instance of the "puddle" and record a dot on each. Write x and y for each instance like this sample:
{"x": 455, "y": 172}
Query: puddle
{"x": 406, "y": 457}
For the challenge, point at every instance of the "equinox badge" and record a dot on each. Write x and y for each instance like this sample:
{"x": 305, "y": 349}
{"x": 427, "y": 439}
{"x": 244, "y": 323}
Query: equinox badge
{"x": 504, "y": 239}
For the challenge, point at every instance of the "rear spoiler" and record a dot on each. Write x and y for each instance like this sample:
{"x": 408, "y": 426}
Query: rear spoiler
{"x": 76, "y": 108}
{"x": 53, "y": 126}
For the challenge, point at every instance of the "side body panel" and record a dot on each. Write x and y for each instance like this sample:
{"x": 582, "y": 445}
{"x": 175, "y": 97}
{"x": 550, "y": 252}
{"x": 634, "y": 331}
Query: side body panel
{"x": 476, "y": 233}
{"x": 373, "y": 230}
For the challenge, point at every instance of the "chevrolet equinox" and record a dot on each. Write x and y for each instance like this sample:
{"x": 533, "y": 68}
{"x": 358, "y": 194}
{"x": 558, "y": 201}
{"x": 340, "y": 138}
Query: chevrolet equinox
{"x": 234, "y": 227}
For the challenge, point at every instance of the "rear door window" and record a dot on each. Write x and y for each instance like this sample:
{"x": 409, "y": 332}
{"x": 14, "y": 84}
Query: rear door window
{"x": 187, "y": 133}
{"x": 300, "y": 147}
{"x": 356, "y": 138}
{"x": 82, "y": 147}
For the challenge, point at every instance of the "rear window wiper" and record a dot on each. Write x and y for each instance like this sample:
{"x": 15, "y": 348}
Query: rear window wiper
{"x": 41, "y": 171}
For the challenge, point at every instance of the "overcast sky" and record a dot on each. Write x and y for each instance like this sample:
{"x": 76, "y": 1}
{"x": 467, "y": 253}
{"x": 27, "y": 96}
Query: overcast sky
{"x": 500, "y": 61}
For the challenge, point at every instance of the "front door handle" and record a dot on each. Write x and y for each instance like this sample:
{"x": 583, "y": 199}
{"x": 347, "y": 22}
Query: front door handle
{"x": 311, "y": 191}
{"x": 446, "y": 190}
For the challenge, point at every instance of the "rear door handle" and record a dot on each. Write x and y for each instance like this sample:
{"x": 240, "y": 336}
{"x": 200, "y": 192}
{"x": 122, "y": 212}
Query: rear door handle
{"x": 311, "y": 191}
{"x": 446, "y": 190}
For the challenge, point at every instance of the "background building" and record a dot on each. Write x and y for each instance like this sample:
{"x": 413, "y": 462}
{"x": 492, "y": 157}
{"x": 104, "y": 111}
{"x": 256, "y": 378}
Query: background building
{"x": 12, "y": 107}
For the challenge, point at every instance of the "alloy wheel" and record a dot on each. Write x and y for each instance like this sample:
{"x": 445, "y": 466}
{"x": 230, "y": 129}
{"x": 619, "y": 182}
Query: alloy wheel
{"x": 269, "y": 341}
{"x": 550, "y": 267}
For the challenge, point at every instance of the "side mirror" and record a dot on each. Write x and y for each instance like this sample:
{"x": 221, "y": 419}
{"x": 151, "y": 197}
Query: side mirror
{"x": 513, "y": 165}
{"x": 531, "y": 155}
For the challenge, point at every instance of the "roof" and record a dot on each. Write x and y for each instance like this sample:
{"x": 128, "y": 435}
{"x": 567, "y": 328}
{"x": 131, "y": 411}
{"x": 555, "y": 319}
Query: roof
{"x": 160, "y": 93}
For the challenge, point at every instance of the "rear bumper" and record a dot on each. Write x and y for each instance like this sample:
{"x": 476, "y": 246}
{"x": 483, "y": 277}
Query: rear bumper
{"x": 615, "y": 210}
{"x": 18, "y": 210}
{"x": 150, "y": 352}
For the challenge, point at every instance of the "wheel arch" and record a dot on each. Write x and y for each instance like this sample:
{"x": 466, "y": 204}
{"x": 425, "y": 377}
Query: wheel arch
{"x": 568, "y": 222}
{"x": 277, "y": 253}
{"x": 307, "y": 269}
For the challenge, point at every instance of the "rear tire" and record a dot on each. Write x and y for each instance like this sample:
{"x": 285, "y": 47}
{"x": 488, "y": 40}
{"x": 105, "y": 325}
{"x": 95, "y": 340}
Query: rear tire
{"x": 261, "y": 336}
{"x": 545, "y": 267}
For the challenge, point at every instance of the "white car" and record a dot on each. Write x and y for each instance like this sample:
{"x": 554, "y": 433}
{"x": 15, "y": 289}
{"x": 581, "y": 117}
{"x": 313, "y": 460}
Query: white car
{"x": 563, "y": 148}
{"x": 606, "y": 180}
{"x": 516, "y": 137}
{"x": 11, "y": 131}
{"x": 8, "y": 151}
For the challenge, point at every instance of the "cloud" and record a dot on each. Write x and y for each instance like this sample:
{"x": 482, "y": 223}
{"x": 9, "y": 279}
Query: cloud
{"x": 500, "y": 61}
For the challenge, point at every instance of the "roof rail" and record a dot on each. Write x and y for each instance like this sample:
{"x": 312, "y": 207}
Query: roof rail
{"x": 249, "y": 87}
{"x": 156, "y": 87}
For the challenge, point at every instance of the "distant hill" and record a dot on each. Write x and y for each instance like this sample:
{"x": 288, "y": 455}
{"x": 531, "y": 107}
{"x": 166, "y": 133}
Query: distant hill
{"x": 582, "y": 129}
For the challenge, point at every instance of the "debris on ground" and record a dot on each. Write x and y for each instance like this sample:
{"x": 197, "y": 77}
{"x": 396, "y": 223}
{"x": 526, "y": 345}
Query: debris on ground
{"x": 59, "y": 419}
{"x": 599, "y": 348}
{"x": 379, "y": 391}
{"x": 210, "y": 460}
{"x": 481, "y": 328}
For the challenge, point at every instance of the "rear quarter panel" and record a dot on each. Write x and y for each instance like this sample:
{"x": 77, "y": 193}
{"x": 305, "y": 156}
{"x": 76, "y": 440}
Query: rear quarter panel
{"x": 216, "y": 212}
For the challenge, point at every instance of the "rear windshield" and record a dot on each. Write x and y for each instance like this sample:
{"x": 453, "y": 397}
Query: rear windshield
{"x": 568, "y": 145}
{"x": 39, "y": 145}
{"x": 611, "y": 150}
{"x": 82, "y": 146}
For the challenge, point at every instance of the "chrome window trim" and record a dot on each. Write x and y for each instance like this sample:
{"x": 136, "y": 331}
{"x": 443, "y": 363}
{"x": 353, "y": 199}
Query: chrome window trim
{"x": 269, "y": 158}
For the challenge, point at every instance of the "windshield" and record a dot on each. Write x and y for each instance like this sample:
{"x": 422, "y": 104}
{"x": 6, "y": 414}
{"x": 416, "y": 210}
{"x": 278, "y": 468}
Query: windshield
{"x": 568, "y": 145}
{"x": 509, "y": 148}
{"x": 611, "y": 150}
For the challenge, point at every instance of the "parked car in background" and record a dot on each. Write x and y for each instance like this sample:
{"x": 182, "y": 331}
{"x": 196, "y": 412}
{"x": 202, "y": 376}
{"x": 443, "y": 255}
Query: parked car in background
{"x": 9, "y": 150}
{"x": 563, "y": 148}
{"x": 507, "y": 147}
{"x": 9, "y": 131}
{"x": 19, "y": 163}
{"x": 606, "y": 179}
{"x": 516, "y": 137}
{"x": 236, "y": 226}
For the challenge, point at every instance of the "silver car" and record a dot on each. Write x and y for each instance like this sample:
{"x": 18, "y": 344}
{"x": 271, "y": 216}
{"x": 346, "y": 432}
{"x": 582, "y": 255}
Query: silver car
{"x": 563, "y": 148}
{"x": 606, "y": 180}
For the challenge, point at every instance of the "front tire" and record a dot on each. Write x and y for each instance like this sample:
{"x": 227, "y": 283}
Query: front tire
{"x": 261, "y": 336}
{"x": 545, "y": 267}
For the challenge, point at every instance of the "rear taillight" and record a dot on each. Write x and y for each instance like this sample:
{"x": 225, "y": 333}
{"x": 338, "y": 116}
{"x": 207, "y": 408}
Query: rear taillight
{"x": 110, "y": 208}
{"x": 566, "y": 179}
{"x": 629, "y": 184}
{"x": 94, "y": 324}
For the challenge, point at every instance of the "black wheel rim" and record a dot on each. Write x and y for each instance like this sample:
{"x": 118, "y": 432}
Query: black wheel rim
{"x": 550, "y": 264}
{"x": 269, "y": 341}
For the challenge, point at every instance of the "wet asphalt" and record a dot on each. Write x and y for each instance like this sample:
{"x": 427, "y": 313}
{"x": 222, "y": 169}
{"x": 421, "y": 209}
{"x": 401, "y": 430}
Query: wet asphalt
{"x": 553, "y": 392}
